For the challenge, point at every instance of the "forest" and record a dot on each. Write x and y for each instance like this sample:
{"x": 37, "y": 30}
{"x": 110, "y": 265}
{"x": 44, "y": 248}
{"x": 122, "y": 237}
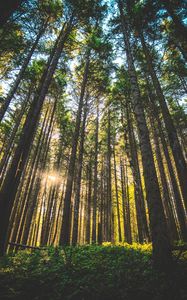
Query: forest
{"x": 93, "y": 159}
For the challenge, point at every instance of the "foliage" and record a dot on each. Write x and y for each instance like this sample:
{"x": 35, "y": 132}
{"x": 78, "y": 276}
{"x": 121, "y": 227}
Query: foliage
{"x": 89, "y": 272}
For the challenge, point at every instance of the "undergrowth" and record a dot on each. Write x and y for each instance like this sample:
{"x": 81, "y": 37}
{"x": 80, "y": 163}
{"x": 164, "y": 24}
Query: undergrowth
{"x": 89, "y": 272}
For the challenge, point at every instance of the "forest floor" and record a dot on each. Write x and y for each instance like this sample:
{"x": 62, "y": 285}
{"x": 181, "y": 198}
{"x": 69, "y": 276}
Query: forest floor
{"x": 90, "y": 272}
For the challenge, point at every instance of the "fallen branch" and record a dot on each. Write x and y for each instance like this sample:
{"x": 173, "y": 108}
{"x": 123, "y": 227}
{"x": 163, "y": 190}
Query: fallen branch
{"x": 25, "y": 246}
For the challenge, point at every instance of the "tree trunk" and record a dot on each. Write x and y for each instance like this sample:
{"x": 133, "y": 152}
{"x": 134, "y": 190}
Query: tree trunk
{"x": 126, "y": 208}
{"x": 78, "y": 181}
{"x": 16, "y": 168}
{"x": 117, "y": 196}
{"x": 143, "y": 230}
{"x": 65, "y": 238}
{"x": 95, "y": 188}
{"x": 162, "y": 255}
{"x": 88, "y": 215}
{"x": 171, "y": 130}
{"x": 110, "y": 217}
{"x": 19, "y": 77}
{"x": 175, "y": 189}
{"x": 10, "y": 146}
{"x": 165, "y": 190}
{"x": 179, "y": 28}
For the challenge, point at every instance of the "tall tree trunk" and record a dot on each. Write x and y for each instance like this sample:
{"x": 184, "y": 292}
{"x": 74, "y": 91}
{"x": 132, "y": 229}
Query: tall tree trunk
{"x": 19, "y": 77}
{"x": 65, "y": 238}
{"x": 128, "y": 210}
{"x": 9, "y": 146}
{"x": 33, "y": 182}
{"x": 79, "y": 176}
{"x": 102, "y": 195}
{"x": 143, "y": 230}
{"x": 46, "y": 224}
{"x": 16, "y": 168}
{"x": 161, "y": 245}
{"x": 125, "y": 205}
{"x": 177, "y": 197}
{"x": 165, "y": 190}
{"x": 179, "y": 28}
{"x": 117, "y": 195}
{"x": 171, "y": 130}
{"x": 88, "y": 215}
{"x": 95, "y": 188}
{"x": 110, "y": 217}
{"x": 42, "y": 160}
{"x": 105, "y": 202}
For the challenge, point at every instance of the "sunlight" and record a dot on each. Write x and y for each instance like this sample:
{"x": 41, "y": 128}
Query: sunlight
{"x": 52, "y": 178}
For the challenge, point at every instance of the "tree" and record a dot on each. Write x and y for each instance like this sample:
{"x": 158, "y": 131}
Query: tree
{"x": 22, "y": 151}
{"x": 7, "y": 10}
{"x": 161, "y": 245}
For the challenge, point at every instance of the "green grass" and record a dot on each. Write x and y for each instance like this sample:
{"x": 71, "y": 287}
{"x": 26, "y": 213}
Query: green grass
{"x": 89, "y": 272}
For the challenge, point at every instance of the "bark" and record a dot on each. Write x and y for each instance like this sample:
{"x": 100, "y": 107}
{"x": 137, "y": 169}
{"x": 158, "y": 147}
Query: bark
{"x": 180, "y": 29}
{"x": 95, "y": 188}
{"x": 80, "y": 227}
{"x": 143, "y": 230}
{"x": 5, "y": 162}
{"x": 9, "y": 147}
{"x": 105, "y": 202}
{"x": 65, "y": 238}
{"x": 39, "y": 160}
{"x": 54, "y": 224}
{"x": 78, "y": 181}
{"x": 46, "y": 224}
{"x": 162, "y": 255}
{"x": 20, "y": 75}
{"x": 126, "y": 211}
{"x": 42, "y": 166}
{"x": 58, "y": 217}
{"x": 101, "y": 223}
{"x": 110, "y": 217}
{"x": 117, "y": 195}
{"x": 16, "y": 168}
{"x": 88, "y": 215}
{"x": 180, "y": 162}
{"x": 127, "y": 204}
{"x": 16, "y": 215}
{"x": 164, "y": 186}
{"x": 177, "y": 197}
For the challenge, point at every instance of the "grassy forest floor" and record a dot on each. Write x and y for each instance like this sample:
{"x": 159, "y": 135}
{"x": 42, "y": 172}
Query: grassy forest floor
{"x": 90, "y": 272}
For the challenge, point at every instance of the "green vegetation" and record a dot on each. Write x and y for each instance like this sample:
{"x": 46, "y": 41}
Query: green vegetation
{"x": 89, "y": 272}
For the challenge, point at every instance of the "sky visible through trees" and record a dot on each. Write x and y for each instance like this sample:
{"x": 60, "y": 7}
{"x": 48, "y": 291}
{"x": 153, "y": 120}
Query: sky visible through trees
{"x": 93, "y": 124}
